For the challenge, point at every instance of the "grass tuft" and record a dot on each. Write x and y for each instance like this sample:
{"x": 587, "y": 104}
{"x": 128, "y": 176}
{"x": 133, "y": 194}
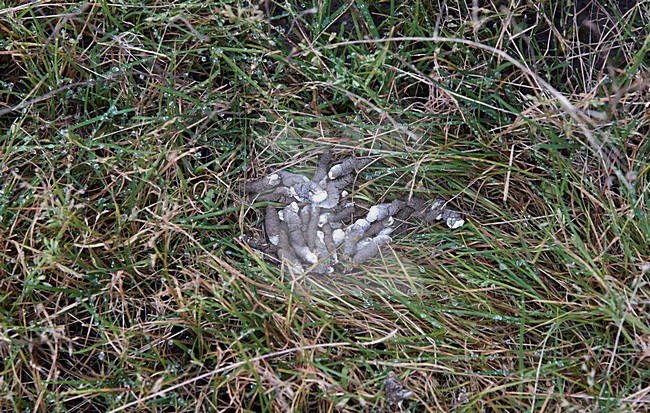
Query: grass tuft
{"x": 128, "y": 127}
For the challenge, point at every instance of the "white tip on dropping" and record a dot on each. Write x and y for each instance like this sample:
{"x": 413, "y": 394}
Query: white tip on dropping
{"x": 362, "y": 223}
{"x": 438, "y": 204}
{"x": 373, "y": 213}
{"x": 363, "y": 243}
{"x": 308, "y": 255}
{"x": 323, "y": 219}
{"x": 338, "y": 235}
{"x": 274, "y": 239}
{"x": 319, "y": 195}
{"x": 274, "y": 179}
{"x": 294, "y": 194}
{"x": 334, "y": 172}
{"x": 454, "y": 222}
{"x": 386, "y": 231}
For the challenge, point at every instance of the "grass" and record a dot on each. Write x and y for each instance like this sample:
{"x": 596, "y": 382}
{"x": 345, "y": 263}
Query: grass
{"x": 127, "y": 127}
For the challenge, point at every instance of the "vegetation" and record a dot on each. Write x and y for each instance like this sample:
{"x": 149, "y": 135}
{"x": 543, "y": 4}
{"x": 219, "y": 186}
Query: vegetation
{"x": 127, "y": 127}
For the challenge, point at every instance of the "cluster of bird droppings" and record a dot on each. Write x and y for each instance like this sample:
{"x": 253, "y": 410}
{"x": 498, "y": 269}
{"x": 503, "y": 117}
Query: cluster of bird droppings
{"x": 319, "y": 230}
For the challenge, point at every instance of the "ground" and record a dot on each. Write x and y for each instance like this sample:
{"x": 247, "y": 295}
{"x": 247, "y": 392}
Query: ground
{"x": 128, "y": 128}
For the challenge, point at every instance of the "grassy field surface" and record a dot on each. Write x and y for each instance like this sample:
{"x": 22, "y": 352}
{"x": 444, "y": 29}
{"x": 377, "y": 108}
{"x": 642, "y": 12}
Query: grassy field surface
{"x": 126, "y": 128}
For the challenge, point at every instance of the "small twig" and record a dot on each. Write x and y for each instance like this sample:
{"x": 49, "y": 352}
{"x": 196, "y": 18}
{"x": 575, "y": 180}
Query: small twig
{"x": 506, "y": 187}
